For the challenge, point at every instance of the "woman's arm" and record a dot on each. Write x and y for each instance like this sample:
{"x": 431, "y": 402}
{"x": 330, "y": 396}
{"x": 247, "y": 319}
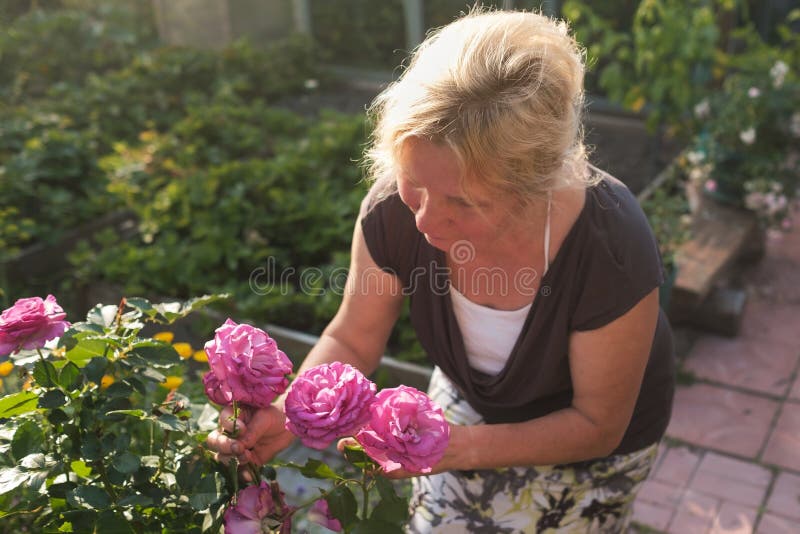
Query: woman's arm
{"x": 357, "y": 335}
{"x": 607, "y": 366}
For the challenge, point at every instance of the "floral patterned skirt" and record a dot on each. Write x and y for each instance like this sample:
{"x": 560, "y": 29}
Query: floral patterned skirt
{"x": 592, "y": 496}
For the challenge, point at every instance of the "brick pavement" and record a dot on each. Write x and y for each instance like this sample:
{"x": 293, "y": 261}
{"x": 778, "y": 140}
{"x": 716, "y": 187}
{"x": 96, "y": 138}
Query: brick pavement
{"x": 731, "y": 460}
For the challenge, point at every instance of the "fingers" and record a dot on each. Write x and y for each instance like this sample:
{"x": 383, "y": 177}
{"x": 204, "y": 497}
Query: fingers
{"x": 264, "y": 422}
{"x": 224, "y": 444}
{"x": 233, "y": 425}
{"x": 346, "y": 442}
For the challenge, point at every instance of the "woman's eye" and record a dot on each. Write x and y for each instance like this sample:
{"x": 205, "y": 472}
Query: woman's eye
{"x": 462, "y": 203}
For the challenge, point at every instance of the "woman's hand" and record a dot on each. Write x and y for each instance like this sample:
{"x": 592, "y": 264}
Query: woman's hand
{"x": 457, "y": 456}
{"x": 260, "y": 435}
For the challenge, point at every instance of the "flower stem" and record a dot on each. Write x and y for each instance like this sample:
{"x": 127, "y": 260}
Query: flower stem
{"x": 235, "y": 417}
{"x": 234, "y": 467}
{"x": 365, "y": 491}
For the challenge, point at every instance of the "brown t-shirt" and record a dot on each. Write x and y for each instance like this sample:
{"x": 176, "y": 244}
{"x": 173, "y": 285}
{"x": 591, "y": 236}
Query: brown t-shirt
{"x": 607, "y": 263}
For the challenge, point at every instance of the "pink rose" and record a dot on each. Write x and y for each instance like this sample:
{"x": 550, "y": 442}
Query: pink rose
{"x": 216, "y": 390}
{"x": 30, "y": 323}
{"x": 248, "y": 364}
{"x": 320, "y": 514}
{"x": 258, "y": 509}
{"x": 406, "y": 429}
{"x": 326, "y": 402}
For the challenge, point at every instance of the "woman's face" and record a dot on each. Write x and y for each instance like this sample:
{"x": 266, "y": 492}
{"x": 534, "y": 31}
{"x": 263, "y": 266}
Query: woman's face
{"x": 429, "y": 183}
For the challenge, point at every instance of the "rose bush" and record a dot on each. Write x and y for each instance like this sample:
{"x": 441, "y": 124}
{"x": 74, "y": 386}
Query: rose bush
{"x": 328, "y": 402}
{"x": 99, "y": 437}
{"x": 406, "y": 429}
{"x": 94, "y": 435}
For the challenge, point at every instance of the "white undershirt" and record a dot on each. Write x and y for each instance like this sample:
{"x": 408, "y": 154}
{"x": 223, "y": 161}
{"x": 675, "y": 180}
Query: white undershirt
{"x": 489, "y": 335}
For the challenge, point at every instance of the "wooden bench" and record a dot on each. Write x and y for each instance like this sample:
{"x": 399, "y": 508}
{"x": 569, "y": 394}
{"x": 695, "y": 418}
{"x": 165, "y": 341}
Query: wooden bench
{"x": 723, "y": 238}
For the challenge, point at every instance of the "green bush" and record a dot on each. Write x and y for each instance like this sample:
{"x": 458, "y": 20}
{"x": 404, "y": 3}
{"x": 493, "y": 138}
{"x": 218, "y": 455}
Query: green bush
{"x": 156, "y": 89}
{"x": 360, "y": 32}
{"x": 53, "y": 179}
{"x": 42, "y": 49}
{"x": 216, "y": 201}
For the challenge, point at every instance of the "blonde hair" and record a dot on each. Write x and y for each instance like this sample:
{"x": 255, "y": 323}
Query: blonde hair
{"x": 504, "y": 90}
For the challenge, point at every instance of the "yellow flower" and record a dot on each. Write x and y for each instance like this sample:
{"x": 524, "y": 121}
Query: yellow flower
{"x": 184, "y": 350}
{"x": 200, "y": 356}
{"x": 5, "y": 368}
{"x": 638, "y": 104}
{"x": 166, "y": 337}
{"x": 106, "y": 381}
{"x": 172, "y": 382}
{"x": 27, "y": 385}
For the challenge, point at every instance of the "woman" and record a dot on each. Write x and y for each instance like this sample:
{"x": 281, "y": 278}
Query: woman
{"x": 533, "y": 283}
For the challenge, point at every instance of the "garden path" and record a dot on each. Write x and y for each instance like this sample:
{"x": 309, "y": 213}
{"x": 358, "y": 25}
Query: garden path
{"x": 731, "y": 463}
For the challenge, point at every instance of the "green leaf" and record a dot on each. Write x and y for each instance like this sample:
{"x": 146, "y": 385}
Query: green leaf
{"x": 91, "y": 497}
{"x": 86, "y": 350}
{"x": 391, "y": 507}
{"x": 313, "y": 468}
{"x": 110, "y": 522}
{"x": 171, "y": 311}
{"x": 45, "y": 374}
{"x": 59, "y": 490}
{"x": 355, "y": 455}
{"x": 52, "y": 399}
{"x": 91, "y": 448}
{"x": 342, "y": 505}
{"x": 102, "y": 315}
{"x": 126, "y": 462}
{"x": 143, "y": 305}
{"x": 135, "y": 500}
{"x": 119, "y": 389}
{"x": 157, "y": 353}
{"x": 375, "y": 526}
{"x": 28, "y": 439}
{"x": 152, "y": 374}
{"x": 68, "y": 376}
{"x": 189, "y": 473}
{"x": 57, "y": 417}
{"x": 18, "y": 403}
{"x": 95, "y": 368}
{"x": 11, "y": 478}
{"x": 208, "y": 491}
{"x": 80, "y": 468}
{"x": 139, "y": 414}
{"x": 168, "y": 421}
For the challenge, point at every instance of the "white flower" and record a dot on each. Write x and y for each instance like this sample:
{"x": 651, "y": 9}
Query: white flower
{"x": 754, "y": 92}
{"x": 778, "y": 72}
{"x": 794, "y": 124}
{"x": 754, "y": 201}
{"x": 311, "y": 84}
{"x": 748, "y": 136}
{"x": 696, "y": 157}
{"x": 702, "y": 109}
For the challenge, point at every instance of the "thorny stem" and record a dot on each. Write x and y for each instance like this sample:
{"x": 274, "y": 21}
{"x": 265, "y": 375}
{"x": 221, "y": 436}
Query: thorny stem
{"x": 106, "y": 482}
{"x": 164, "y": 443}
{"x": 118, "y": 318}
{"x": 365, "y": 491}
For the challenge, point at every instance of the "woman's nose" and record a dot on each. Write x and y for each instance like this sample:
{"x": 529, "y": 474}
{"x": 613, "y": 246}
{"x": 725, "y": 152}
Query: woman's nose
{"x": 429, "y": 217}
